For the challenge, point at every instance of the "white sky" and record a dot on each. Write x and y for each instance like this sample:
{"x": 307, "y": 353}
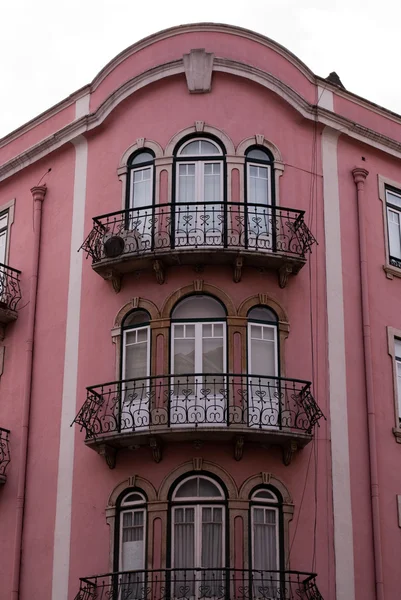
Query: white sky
{"x": 50, "y": 48}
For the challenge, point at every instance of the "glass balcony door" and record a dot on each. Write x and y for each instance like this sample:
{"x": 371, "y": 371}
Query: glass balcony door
{"x": 198, "y": 547}
{"x": 259, "y": 210}
{"x": 199, "y": 394}
{"x": 199, "y": 214}
{"x": 263, "y": 392}
{"x": 135, "y": 407}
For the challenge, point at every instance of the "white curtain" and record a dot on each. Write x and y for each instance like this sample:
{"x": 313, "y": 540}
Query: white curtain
{"x": 184, "y": 552}
{"x": 186, "y": 183}
{"x": 212, "y": 581}
{"x": 132, "y": 554}
{"x": 141, "y": 188}
{"x": 264, "y": 539}
{"x": 136, "y": 353}
{"x": 258, "y": 193}
{"x": 394, "y": 233}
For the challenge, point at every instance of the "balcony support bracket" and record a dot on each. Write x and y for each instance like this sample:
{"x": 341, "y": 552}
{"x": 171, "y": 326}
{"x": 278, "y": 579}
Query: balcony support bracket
{"x": 2, "y": 331}
{"x": 115, "y": 279}
{"x": 239, "y": 447}
{"x": 239, "y": 261}
{"x": 109, "y": 454}
{"x": 159, "y": 271}
{"x": 288, "y": 451}
{"x": 155, "y": 446}
{"x": 283, "y": 274}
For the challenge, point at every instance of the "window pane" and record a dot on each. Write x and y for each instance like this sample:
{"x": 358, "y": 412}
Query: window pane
{"x": 212, "y": 544}
{"x": 135, "y": 318}
{"x": 136, "y": 354}
{"x": 132, "y": 540}
{"x": 258, "y": 190}
{"x": 262, "y": 314}
{"x": 264, "y": 539}
{"x": 213, "y": 355}
{"x": 184, "y": 538}
{"x": 207, "y": 489}
{"x": 3, "y": 240}
{"x": 258, "y": 154}
{"x": 393, "y": 198}
{"x": 186, "y": 183}
{"x": 262, "y": 350}
{"x": 141, "y": 187}
{"x": 397, "y": 344}
{"x": 142, "y": 157}
{"x": 212, "y": 185}
{"x": 198, "y": 307}
{"x": 184, "y": 356}
{"x": 394, "y": 233}
{"x": 198, "y": 147}
{"x": 3, "y": 221}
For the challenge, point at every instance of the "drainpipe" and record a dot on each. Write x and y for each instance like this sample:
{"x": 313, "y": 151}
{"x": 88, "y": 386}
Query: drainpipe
{"x": 360, "y": 175}
{"x": 38, "y": 195}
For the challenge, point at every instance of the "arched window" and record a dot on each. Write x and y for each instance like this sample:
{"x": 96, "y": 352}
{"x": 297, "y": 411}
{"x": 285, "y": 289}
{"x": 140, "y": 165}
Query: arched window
{"x": 263, "y": 368}
{"x": 131, "y": 532}
{"x": 198, "y": 360}
{"x": 135, "y": 367}
{"x": 141, "y": 174}
{"x": 259, "y": 196}
{"x": 199, "y": 192}
{"x": 266, "y": 524}
{"x": 135, "y": 345}
{"x": 198, "y": 539}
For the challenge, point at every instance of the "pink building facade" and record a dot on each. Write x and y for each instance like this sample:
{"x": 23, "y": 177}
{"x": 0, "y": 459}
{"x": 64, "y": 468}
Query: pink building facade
{"x": 200, "y": 332}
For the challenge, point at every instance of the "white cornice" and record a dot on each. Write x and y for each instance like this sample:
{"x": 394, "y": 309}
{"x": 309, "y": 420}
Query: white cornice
{"x": 308, "y": 111}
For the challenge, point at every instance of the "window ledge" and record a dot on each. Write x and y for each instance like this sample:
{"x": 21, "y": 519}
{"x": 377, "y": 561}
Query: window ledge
{"x": 391, "y": 271}
{"x": 397, "y": 434}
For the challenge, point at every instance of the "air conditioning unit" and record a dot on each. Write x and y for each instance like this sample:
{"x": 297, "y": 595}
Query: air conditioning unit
{"x": 113, "y": 246}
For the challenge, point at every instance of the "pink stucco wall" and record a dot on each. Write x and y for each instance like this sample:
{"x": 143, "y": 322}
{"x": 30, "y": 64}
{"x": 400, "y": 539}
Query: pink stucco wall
{"x": 241, "y": 109}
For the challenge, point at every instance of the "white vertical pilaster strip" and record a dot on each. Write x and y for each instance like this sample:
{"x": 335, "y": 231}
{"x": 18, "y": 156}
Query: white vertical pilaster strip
{"x": 62, "y": 533}
{"x": 343, "y": 535}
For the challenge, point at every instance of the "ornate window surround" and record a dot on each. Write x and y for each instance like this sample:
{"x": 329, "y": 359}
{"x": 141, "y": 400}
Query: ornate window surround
{"x": 238, "y": 509}
{"x": 392, "y": 334}
{"x": 237, "y": 323}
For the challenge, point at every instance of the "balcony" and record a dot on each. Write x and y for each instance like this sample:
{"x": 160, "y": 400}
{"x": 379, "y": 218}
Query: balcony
{"x": 4, "y": 454}
{"x": 10, "y": 295}
{"x": 228, "y": 407}
{"x": 200, "y": 584}
{"x": 156, "y": 237}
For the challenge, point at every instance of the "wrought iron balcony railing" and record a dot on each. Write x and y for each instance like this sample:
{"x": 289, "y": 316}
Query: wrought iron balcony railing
{"x": 208, "y": 403}
{"x": 10, "y": 291}
{"x": 4, "y": 453}
{"x": 157, "y": 230}
{"x": 200, "y": 584}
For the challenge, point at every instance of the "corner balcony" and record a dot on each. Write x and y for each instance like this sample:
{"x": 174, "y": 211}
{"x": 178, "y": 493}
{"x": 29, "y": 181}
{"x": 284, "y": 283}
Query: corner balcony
{"x": 4, "y": 454}
{"x": 201, "y": 408}
{"x": 200, "y": 584}
{"x": 237, "y": 234}
{"x": 10, "y": 295}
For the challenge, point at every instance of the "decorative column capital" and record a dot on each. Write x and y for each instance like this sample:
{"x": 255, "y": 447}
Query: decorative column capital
{"x": 359, "y": 174}
{"x": 38, "y": 192}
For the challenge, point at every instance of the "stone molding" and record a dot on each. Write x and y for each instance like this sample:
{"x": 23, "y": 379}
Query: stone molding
{"x": 198, "y": 65}
{"x": 89, "y": 122}
{"x": 194, "y": 130}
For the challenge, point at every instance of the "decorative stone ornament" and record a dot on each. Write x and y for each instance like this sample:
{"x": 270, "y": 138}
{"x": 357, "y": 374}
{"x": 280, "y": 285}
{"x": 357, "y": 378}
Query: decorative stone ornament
{"x": 198, "y": 65}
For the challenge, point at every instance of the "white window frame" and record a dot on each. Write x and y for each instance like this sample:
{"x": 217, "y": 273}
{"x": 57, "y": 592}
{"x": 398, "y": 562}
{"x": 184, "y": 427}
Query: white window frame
{"x": 199, "y": 192}
{"x": 391, "y": 208}
{"x": 132, "y": 510}
{"x": 384, "y": 183}
{"x": 134, "y": 170}
{"x": 198, "y": 345}
{"x": 8, "y": 208}
{"x": 198, "y": 507}
{"x": 269, "y": 182}
{"x": 267, "y": 326}
{"x": 394, "y": 335}
{"x": 271, "y": 505}
{"x": 198, "y": 503}
{"x": 124, "y": 348}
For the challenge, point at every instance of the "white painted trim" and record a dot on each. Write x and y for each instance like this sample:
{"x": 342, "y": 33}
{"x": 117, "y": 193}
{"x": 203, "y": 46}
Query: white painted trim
{"x": 82, "y": 106}
{"x": 343, "y": 530}
{"x": 267, "y": 80}
{"x": 62, "y": 532}
{"x": 325, "y": 98}
{"x": 8, "y": 207}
